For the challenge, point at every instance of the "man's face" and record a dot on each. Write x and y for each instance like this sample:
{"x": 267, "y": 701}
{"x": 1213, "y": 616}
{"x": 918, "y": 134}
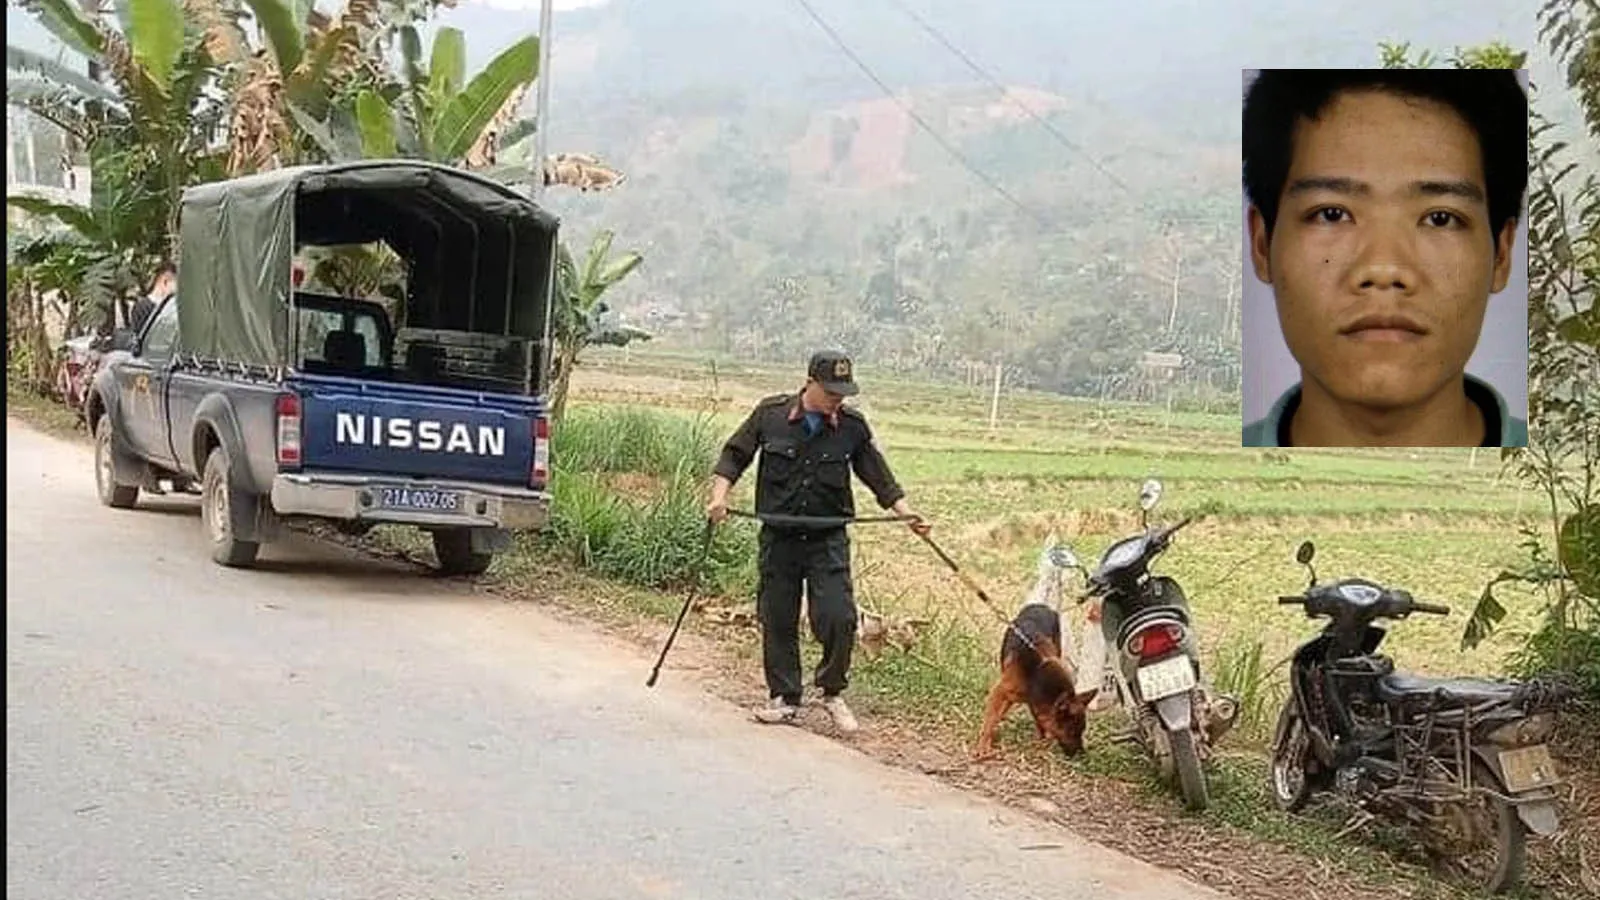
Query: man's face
{"x": 166, "y": 284}
{"x": 1382, "y": 260}
{"x": 824, "y": 400}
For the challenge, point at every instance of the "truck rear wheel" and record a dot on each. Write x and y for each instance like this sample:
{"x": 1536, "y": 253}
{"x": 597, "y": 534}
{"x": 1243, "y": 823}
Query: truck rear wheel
{"x": 217, "y": 502}
{"x": 114, "y": 495}
{"x": 453, "y": 547}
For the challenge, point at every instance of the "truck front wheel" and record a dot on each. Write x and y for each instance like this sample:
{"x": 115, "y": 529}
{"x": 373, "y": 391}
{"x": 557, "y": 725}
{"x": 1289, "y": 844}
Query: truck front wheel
{"x": 453, "y": 547}
{"x": 114, "y": 495}
{"x": 217, "y": 502}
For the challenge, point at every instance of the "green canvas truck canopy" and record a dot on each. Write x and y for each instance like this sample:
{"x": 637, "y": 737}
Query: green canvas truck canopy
{"x": 480, "y": 255}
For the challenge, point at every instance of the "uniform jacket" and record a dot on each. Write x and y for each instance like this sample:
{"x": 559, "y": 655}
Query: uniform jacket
{"x": 802, "y": 476}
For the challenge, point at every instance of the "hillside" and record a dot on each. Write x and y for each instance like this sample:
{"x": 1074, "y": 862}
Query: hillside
{"x": 782, "y": 199}
{"x": 774, "y": 184}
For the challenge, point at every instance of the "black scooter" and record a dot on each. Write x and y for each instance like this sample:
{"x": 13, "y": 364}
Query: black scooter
{"x": 1462, "y": 759}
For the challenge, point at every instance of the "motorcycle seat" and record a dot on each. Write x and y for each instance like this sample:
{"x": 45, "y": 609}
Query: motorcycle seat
{"x": 1400, "y": 687}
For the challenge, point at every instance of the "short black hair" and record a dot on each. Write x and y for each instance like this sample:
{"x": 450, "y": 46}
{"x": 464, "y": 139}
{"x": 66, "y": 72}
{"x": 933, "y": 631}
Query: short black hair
{"x": 1490, "y": 100}
{"x": 166, "y": 267}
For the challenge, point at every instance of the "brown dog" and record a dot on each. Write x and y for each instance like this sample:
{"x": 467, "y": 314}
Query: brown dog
{"x": 1036, "y": 675}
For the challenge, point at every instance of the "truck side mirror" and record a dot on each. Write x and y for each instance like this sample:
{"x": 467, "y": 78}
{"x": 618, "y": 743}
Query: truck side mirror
{"x": 124, "y": 339}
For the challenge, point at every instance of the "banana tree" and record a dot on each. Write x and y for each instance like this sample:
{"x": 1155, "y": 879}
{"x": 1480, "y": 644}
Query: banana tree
{"x": 581, "y": 315}
{"x": 94, "y": 255}
{"x": 154, "y": 112}
{"x": 433, "y": 113}
{"x": 431, "y": 110}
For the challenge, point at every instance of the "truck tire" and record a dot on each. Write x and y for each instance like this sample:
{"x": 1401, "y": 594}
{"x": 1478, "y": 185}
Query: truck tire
{"x": 218, "y": 499}
{"x": 453, "y": 547}
{"x": 114, "y": 495}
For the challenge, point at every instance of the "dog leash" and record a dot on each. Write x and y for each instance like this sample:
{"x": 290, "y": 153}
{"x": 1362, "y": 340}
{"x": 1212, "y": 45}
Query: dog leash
{"x": 785, "y": 520}
{"x": 1010, "y": 622}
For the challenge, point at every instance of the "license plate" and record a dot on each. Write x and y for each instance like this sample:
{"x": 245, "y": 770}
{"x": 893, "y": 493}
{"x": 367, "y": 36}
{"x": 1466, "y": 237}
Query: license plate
{"x": 1527, "y": 767}
{"x": 419, "y": 498}
{"x": 1165, "y": 678}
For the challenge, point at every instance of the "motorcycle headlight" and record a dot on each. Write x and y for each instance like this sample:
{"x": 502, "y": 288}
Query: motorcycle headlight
{"x": 1121, "y": 555}
{"x": 1535, "y": 729}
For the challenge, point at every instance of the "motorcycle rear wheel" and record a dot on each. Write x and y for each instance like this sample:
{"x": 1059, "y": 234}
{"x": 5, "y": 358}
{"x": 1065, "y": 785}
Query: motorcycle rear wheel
{"x": 1191, "y": 778}
{"x": 1503, "y": 871}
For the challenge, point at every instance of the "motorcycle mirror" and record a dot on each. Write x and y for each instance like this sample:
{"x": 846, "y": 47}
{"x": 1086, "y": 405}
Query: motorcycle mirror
{"x": 1149, "y": 495}
{"x": 1303, "y": 555}
{"x": 1064, "y": 558}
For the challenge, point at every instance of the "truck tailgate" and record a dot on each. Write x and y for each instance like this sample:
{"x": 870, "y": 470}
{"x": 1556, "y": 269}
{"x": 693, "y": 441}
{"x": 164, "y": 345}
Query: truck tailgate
{"x": 418, "y": 431}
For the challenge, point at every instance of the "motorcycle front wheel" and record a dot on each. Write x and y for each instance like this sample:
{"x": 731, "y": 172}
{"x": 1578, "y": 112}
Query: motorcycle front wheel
{"x": 1191, "y": 778}
{"x": 1290, "y": 786}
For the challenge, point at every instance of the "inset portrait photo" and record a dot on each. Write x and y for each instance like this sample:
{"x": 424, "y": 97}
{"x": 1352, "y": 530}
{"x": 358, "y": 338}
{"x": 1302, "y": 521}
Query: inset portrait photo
{"x": 1385, "y": 300}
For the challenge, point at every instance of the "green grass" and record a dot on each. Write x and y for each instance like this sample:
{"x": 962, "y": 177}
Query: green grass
{"x": 655, "y": 540}
{"x": 44, "y": 412}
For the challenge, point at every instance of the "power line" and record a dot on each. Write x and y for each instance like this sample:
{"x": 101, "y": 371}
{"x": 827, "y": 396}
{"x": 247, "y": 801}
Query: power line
{"x": 1005, "y": 93}
{"x": 915, "y": 117}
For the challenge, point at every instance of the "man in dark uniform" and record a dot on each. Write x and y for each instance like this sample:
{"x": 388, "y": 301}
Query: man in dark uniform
{"x": 809, "y": 444}
{"x": 164, "y": 285}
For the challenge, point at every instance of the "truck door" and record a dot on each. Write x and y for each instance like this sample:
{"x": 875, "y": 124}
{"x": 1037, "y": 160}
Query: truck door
{"x": 144, "y": 386}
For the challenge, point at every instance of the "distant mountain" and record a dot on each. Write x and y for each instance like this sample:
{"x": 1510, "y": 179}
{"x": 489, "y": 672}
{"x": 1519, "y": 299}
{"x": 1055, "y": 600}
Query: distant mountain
{"x": 773, "y": 185}
{"x": 1174, "y": 62}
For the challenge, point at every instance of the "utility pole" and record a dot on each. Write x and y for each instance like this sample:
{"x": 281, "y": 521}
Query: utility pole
{"x": 994, "y": 400}
{"x": 541, "y": 134}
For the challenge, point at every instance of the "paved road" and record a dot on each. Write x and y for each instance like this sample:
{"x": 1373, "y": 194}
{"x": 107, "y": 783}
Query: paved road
{"x": 333, "y": 727}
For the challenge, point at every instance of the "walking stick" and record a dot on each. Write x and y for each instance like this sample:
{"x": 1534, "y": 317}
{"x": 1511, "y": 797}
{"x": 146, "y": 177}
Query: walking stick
{"x": 694, "y": 588}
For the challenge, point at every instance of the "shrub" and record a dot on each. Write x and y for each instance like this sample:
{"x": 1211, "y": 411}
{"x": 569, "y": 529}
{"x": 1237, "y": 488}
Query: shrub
{"x": 654, "y": 541}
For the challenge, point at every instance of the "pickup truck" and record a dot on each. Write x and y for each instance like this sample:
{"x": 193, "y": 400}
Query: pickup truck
{"x": 277, "y": 403}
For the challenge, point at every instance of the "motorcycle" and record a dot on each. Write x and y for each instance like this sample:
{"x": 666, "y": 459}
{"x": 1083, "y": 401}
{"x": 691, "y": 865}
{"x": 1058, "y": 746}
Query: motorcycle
{"x": 1464, "y": 759}
{"x": 75, "y": 367}
{"x": 1154, "y": 660}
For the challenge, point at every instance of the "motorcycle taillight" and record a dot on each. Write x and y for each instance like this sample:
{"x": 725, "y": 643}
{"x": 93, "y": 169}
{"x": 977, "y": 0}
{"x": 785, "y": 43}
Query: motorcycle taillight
{"x": 1156, "y": 641}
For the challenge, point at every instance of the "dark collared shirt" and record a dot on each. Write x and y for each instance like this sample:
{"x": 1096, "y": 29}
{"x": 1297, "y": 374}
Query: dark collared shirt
{"x": 1501, "y": 429}
{"x": 801, "y": 476}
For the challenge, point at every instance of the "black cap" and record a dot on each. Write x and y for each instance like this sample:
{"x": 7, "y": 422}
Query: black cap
{"x": 833, "y": 370}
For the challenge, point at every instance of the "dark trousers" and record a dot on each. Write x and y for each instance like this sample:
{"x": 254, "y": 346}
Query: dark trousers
{"x": 820, "y": 561}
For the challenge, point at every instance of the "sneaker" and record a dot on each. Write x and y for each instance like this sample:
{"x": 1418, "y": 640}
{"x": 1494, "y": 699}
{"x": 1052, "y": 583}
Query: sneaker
{"x": 843, "y": 718}
{"x": 778, "y": 712}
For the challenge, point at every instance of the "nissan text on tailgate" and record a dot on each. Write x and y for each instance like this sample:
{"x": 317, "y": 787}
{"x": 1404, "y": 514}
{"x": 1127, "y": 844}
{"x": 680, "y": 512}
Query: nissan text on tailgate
{"x": 360, "y": 343}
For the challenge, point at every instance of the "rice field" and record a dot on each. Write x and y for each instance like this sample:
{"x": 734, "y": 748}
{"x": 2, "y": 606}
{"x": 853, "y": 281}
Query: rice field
{"x": 1441, "y": 523}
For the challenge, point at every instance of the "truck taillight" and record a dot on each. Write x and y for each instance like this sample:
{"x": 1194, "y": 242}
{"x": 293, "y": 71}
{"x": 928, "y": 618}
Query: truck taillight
{"x": 539, "y": 476}
{"x": 288, "y": 408}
